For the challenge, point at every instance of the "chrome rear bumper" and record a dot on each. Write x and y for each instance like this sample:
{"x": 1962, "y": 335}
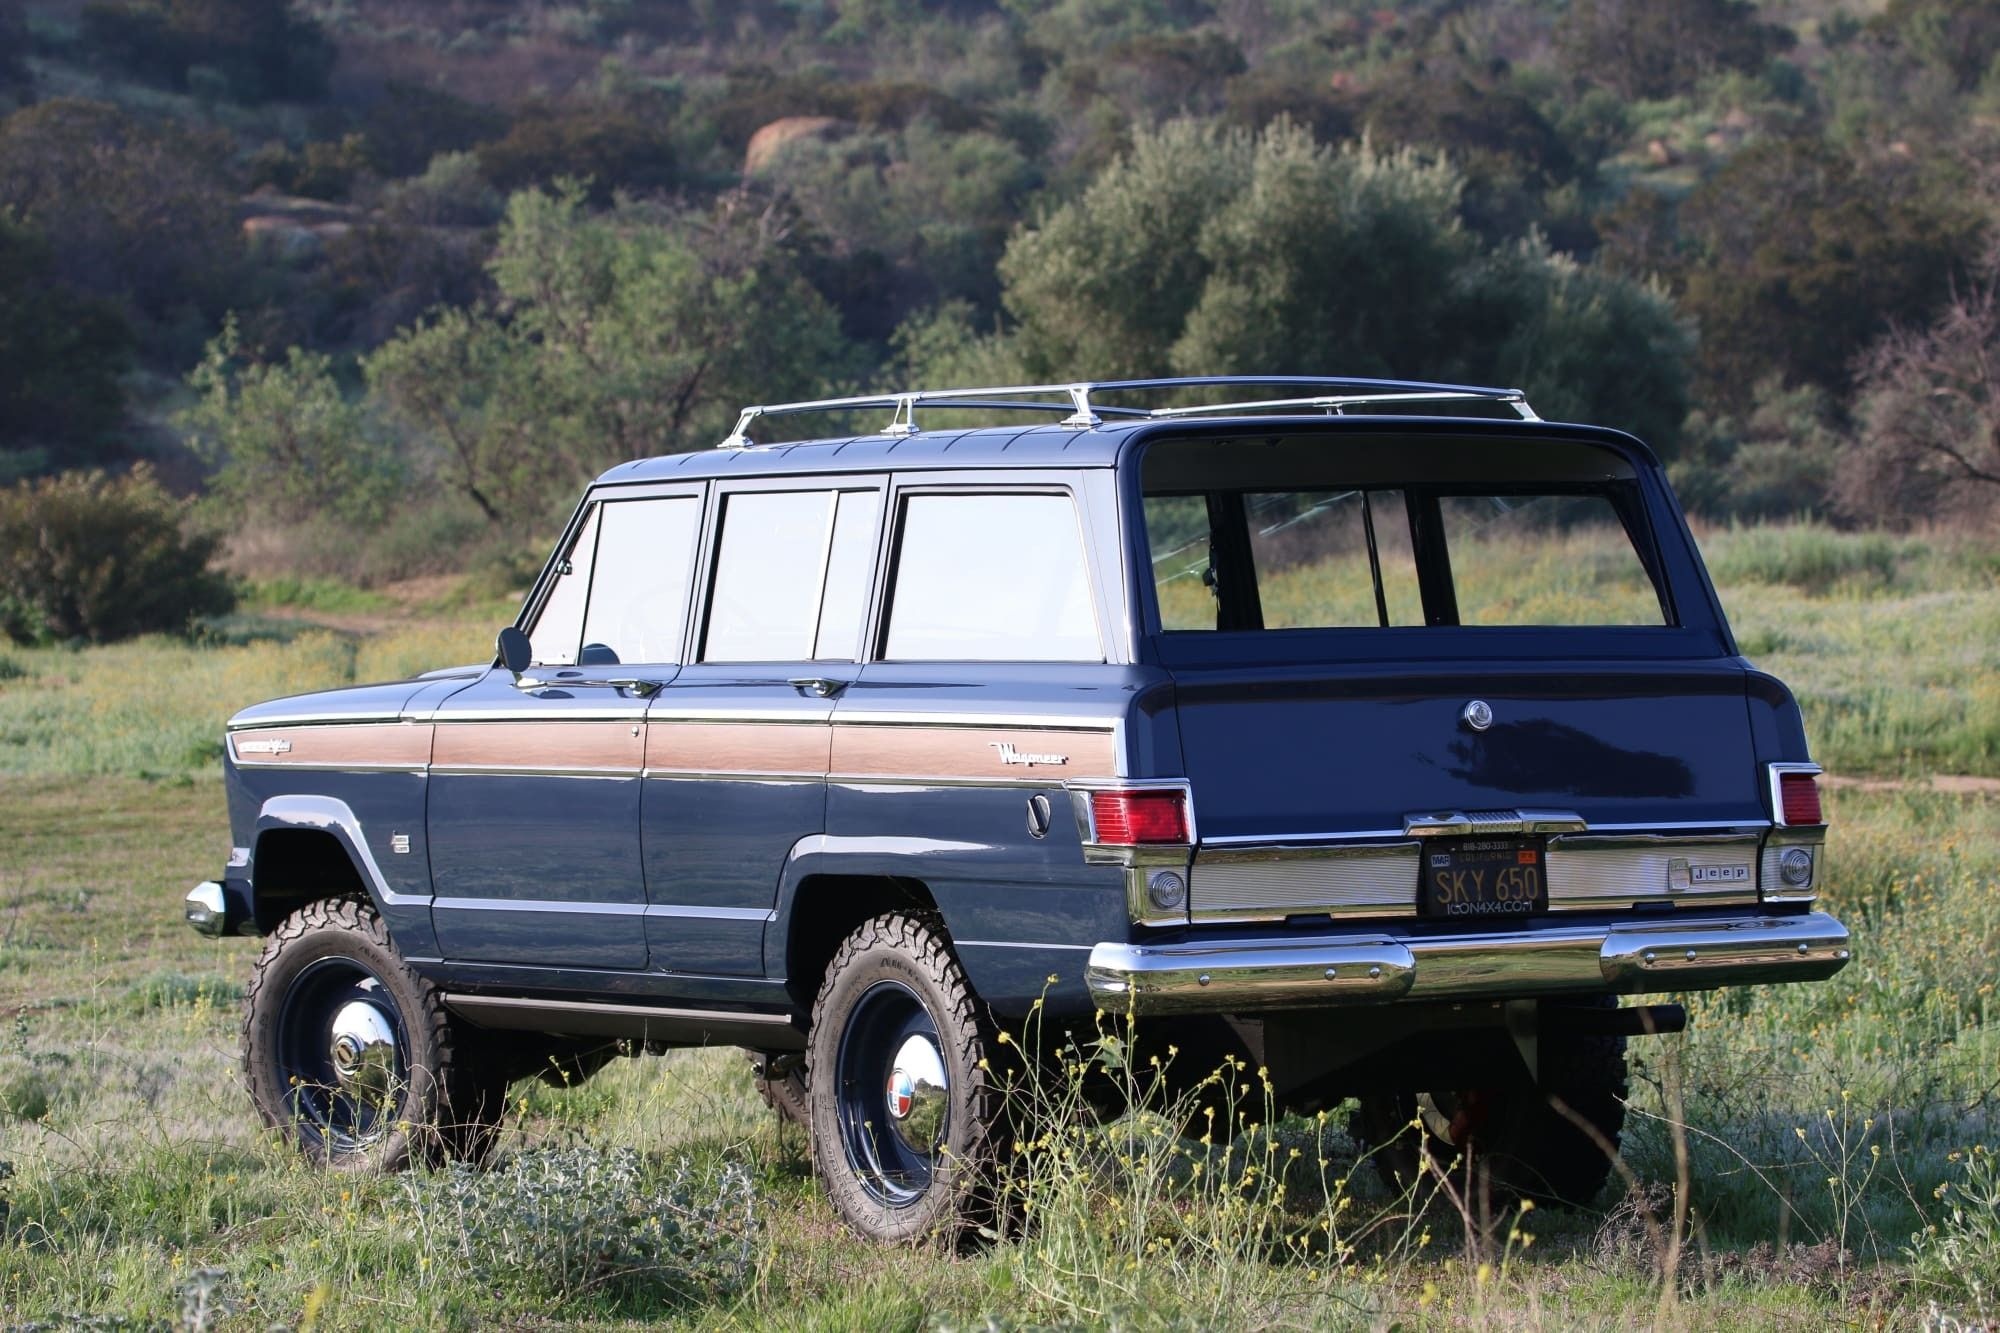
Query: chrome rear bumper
{"x": 1358, "y": 967}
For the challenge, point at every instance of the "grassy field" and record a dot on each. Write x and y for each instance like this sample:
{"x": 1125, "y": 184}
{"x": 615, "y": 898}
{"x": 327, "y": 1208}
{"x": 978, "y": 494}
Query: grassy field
{"x": 1828, "y": 1149}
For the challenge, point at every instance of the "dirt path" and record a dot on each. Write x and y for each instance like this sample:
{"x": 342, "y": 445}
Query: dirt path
{"x": 1958, "y": 784}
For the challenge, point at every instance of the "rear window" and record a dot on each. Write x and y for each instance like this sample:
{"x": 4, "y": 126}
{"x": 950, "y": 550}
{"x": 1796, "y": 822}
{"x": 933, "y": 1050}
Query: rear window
{"x": 1262, "y": 537}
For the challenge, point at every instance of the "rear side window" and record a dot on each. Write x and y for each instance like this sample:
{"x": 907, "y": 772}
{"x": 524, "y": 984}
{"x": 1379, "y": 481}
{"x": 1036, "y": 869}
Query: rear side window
{"x": 792, "y": 572}
{"x": 996, "y": 577}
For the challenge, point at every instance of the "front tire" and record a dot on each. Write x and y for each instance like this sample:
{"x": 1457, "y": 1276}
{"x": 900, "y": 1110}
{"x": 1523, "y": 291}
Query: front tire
{"x": 352, "y": 1056}
{"x": 905, "y": 1110}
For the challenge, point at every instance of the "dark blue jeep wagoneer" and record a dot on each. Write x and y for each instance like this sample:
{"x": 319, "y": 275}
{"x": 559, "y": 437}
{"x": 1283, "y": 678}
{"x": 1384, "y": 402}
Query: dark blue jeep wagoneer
{"x": 1381, "y": 734}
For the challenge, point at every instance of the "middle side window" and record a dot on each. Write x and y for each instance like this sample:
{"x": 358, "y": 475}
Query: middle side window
{"x": 791, "y": 576}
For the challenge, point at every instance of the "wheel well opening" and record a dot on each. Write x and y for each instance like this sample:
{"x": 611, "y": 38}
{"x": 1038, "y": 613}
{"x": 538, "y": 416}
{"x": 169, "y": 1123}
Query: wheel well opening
{"x": 826, "y": 910}
{"x": 294, "y": 867}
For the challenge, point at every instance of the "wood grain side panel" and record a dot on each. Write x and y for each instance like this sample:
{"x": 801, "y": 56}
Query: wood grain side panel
{"x": 737, "y": 747}
{"x": 360, "y": 743}
{"x": 616, "y": 747}
{"x": 996, "y": 753}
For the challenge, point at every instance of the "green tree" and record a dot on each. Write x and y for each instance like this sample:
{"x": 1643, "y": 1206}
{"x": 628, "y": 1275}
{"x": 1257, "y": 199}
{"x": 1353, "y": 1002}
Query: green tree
{"x": 16, "y": 81}
{"x": 635, "y": 332}
{"x": 1209, "y": 252}
{"x": 1798, "y": 257}
{"x": 283, "y": 439}
{"x": 1960, "y": 37}
{"x": 258, "y": 50}
{"x": 1928, "y": 439}
{"x": 138, "y": 212}
{"x": 1657, "y": 48}
{"x": 61, "y": 359}
{"x": 612, "y": 147}
{"x": 1103, "y": 286}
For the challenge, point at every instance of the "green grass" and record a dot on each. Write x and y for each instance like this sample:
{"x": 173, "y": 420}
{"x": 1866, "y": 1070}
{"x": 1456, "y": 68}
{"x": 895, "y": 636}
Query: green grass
{"x": 136, "y": 1163}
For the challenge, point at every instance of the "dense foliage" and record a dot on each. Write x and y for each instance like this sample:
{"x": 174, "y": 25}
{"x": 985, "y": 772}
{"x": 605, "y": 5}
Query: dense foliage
{"x": 95, "y": 558}
{"x": 489, "y": 247}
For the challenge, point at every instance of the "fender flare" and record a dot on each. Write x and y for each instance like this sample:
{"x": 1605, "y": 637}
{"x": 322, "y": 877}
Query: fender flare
{"x": 830, "y": 854}
{"x": 408, "y": 915}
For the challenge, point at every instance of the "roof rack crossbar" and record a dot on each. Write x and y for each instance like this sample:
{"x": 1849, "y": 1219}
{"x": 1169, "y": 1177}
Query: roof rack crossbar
{"x": 1076, "y": 399}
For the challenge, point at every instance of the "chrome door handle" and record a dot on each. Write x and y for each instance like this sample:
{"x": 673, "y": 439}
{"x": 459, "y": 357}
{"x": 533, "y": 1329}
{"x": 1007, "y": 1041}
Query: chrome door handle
{"x": 819, "y": 687}
{"x": 641, "y": 689}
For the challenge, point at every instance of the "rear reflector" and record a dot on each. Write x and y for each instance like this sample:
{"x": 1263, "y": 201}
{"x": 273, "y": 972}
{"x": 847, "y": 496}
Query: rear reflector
{"x": 1129, "y": 818}
{"x": 1798, "y": 794}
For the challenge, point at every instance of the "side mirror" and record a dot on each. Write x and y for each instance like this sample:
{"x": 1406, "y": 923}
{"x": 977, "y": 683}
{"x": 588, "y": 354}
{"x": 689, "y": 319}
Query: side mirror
{"x": 515, "y": 652}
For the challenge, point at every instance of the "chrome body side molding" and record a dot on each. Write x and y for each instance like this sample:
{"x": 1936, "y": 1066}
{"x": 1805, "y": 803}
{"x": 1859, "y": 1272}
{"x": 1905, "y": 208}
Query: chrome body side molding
{"x": 636, "y": 1022}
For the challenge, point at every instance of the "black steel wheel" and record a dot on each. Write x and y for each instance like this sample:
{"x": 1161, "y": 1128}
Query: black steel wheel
{"x": 905, "y": 1112}
{"x": 352, "y": 1055}
{"x": 1512, "y": 1141}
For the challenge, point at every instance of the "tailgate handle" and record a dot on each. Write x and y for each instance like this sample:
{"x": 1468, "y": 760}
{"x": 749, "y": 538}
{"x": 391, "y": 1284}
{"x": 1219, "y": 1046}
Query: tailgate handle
{"x": 1464, "y": 823}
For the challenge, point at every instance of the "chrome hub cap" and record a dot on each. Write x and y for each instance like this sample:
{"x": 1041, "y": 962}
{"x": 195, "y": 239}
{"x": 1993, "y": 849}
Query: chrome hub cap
{"x": 918, "y": 1093}
{"x": 363, "y": 1052}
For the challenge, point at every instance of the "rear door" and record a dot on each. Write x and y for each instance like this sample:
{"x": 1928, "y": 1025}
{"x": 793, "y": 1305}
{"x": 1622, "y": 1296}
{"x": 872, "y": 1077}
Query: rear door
{"x": 1361, "y": 643}
{"x": 737, "y": 747}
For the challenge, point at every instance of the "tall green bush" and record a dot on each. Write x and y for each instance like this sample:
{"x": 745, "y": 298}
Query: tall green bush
{"x": 97, "y": 557}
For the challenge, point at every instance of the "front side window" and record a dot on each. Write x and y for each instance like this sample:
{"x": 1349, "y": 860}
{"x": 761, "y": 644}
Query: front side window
{"x": 993, "y": 578}
{"x": 620, "y": 592}
{"x": 639, "y": 593}
{"x": 792, "y": 574}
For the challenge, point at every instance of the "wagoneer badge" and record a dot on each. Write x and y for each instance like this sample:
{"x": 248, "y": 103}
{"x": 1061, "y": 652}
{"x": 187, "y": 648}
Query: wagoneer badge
{"x": 1010, "y": 755}
{"x": 264, "y": 747}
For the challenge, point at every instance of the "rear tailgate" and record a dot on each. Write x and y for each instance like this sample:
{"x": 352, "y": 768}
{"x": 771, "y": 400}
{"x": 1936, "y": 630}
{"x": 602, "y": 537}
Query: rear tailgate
{"x": 1283, "y": 753}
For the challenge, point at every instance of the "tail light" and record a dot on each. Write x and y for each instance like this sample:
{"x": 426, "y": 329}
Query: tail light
{"x": 1138, "y": 818}
{"x": 1795, "y": 794}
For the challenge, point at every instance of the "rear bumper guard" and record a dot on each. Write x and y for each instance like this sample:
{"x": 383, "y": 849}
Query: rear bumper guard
{"x": 1226, "y": 976}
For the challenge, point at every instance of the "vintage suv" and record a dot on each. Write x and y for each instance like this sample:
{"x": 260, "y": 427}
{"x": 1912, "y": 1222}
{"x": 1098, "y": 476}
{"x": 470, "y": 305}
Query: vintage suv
{"x": 1379, "y": 733}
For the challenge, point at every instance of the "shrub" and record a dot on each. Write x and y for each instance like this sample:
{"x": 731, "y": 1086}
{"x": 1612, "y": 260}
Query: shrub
{"x": 578, "y": 1219}
{"x": 1959, "y": 1256}
{"x": 89, "y": 556}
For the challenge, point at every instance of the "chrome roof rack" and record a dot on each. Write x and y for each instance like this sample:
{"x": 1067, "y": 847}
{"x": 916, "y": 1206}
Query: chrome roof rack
{"x": 1083, "y": 413}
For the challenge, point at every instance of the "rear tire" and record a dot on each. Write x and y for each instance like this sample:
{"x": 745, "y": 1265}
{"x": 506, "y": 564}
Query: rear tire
{"x": 352, "y": 1056}
{"x": 904, "y": 1157}
{"x": 1514, "y": 1139}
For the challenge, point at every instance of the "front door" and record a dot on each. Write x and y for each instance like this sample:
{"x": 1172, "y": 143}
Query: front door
{"x": 737, "y": 746}
{"x": 535, "y": 784}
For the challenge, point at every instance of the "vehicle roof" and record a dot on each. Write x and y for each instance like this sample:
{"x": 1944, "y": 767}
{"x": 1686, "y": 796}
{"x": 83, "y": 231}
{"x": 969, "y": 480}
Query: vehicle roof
{"x": 1044, "y": 445}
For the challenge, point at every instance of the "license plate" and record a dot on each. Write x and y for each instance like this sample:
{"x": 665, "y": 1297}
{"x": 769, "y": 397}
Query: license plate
{"x": 1470, "y": 878}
